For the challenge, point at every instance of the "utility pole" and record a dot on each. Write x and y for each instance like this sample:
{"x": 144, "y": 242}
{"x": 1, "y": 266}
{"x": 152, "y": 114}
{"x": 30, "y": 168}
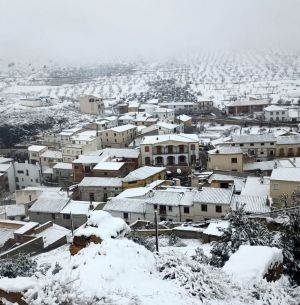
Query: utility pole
{"x": 72, "y": 225}
{"x": 156, "y": 231}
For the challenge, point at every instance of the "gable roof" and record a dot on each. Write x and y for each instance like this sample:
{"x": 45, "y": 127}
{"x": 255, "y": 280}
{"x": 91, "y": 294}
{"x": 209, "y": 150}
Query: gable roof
{"x": 213, "y": 195}
{"x": 52, "y": 202}
{"x": 143, "y": 173}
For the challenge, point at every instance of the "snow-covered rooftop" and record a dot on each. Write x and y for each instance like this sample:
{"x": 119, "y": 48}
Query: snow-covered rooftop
{"x": 274, "y": 108}
{"x": 254, "y": 138}
{"x": 103, "y": 225}
{"x": 130, "y": 205}
{"x": 36, "y": 148}
{"x": 123, "y": 128}
{"x": 63, "y": 165}
{"x": 213, "y": 195}
{"x": 100, "y": 181}
{"x": 256, "y": 186}
{"x": 294, "y": 139}
{"x": 186, "y": 138}
{"x": 109, "y": 166}
{"x": 49, "y": 203}
{"x": 54, "y": 154}
{"x": 52, "y": 234}
{"x": 226, "y": 150}
{"x": 252, "y": 204}
{"x": 286, "y": 174}
{"x": 142, "y": 173}
{"x": 120, "y": 152}
{"x": 77, "y": 208}
{"x": 183, "y": 118}
{"x": 250, "y": 263}
{"x": 213, "y": 228}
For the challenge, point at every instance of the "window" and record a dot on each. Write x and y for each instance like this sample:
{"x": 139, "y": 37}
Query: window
{"x": 17, "y": 179}
{"x": 251, "y": 144}
{"x": 147, "y": 161}
{"x": 272, "y": 143}
{"x": 275, "y": 186}
{"x": 147, "y": 149}
{"x": 193, "y": 147}
{"x": 262, "y": 144}
{"x": 218, "y": 209}
{"x": 233, "y": 160}
{"x": 186, "y": 210}
{"x": 37, "y": 180}
{"x": 66, "y": 216}
{"x": 125, "y": 215}
{"x": 20, "y": 172}
{"x": 204, "y": 207}
{"x": 241, "y": 145}
{"x": 27, "y": 173}
{"x": 155, "y": 206}
{"x": 170, "y": 208}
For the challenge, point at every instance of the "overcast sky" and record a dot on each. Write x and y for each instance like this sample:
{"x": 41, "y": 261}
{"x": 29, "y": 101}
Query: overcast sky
{"x": 93, "y": 30}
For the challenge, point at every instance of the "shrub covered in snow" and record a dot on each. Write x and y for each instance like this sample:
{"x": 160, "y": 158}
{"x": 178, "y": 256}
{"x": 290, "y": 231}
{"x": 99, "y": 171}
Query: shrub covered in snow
{"x": 21, "y": 266}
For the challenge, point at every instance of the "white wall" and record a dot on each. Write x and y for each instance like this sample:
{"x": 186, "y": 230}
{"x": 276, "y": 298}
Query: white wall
{"x": 27, "y": 175}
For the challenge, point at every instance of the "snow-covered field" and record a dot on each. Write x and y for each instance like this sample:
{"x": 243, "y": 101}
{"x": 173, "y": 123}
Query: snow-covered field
{"x": 221, "y": 77}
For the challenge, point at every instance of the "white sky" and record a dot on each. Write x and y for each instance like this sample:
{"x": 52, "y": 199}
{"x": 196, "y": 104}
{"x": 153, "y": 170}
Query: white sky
{"x": 90, "y": 30}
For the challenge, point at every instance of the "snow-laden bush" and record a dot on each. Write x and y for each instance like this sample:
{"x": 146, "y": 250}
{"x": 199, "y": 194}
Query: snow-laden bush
{"x": 241, "y": 231}
{"x": 19, "y": 266}
{"x": 209, "y": 283}
{"x": 200, "y": 280}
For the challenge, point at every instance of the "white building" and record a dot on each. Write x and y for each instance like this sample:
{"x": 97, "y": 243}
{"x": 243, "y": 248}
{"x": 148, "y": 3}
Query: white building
{"x": 91, "y": 104}
{"x": 164, "y": 114}
{"x": 168, "y": 128}
{"x": 35, "y": 152}
{"x": 170, "y": 150}
{"x": 27, "y": 174}
{"x": 276, "y": 113}
{"x": 261, "y": 146}
{"x": 51, "y": 157}
{"x": 183, "y": 204}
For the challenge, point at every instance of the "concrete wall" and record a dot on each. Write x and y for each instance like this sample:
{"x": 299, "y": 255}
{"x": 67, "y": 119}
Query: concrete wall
{"x": 91, "y": 105}
{"x": 278, "y": 188}
{"x": 288, "y": 150}
{"x": 224, "y": 162}
{"x": 100, "y": 193}
{"x": 31, "y": 247}
{"x": 27, "y": 175}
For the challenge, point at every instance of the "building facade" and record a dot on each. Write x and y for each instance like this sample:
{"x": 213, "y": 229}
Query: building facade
{"x": 91, "y": 104}
{"x": 171, "y": 151}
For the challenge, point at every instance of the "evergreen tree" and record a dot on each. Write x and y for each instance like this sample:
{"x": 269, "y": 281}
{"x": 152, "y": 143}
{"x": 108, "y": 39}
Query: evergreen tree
{"x": 291, "y": 245}
{"x": 241, "y": 231}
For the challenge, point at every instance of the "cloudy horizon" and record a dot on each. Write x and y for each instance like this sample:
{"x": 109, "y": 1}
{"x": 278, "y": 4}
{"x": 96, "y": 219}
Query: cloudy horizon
{"x": 86, "y": 31}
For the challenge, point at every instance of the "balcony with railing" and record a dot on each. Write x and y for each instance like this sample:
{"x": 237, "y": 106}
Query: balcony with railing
{"x": 170, "y": 150}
